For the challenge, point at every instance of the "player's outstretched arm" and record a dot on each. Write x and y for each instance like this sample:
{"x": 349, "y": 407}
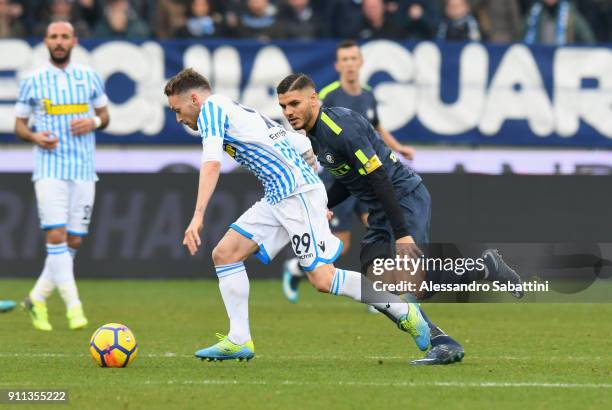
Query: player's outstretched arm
{"x": 405, "y": 150}
{"x": 209, "y": 176}
{"x": 43, "y": 139}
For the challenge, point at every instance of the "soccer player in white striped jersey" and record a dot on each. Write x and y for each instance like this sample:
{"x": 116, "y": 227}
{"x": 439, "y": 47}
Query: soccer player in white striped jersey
{"x": 293, "y": 210}
{"x": 66, "y": 103}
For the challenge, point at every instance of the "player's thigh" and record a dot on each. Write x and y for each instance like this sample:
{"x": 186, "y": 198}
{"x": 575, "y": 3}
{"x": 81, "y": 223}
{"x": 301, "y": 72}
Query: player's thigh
{"x": 53, "y": 202}
{"x": 260, "y": 224}
{"x": 417, "y": 208}
{"x": 233, "y": 247}
{"x": 378, "y": 263}
{"x": 304, "y": 217}
{"x": 82, "y": 196}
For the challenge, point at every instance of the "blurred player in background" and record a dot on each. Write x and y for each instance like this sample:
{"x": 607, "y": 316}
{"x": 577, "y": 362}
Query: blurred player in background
{"x": 7, "y": 305}
{"x": 293, "y": 211}
{"x": 349, "y": 93}
{"x": 67, "y": 103}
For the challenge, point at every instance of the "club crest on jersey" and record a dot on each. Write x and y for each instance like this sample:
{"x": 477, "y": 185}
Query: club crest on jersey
{"x": 330, "y": 158}
{"x": 370, "y": 114}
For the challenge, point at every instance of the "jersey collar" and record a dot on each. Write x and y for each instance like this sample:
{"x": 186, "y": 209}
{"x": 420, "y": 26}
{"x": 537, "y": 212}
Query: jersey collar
{"x": 66, "y": 69}
{"x": 317, "y": 124}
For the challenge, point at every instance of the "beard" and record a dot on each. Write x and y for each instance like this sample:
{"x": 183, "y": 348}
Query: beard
{"x": 305, "y": 120}
{"x": 60, "y": 60}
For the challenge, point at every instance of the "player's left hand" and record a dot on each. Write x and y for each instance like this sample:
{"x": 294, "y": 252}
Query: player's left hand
{"x": 192, "y": 235}
{"x": 406, "y": 151}
{"x": 82, "y": 126}
{"x": 330, "y": 215}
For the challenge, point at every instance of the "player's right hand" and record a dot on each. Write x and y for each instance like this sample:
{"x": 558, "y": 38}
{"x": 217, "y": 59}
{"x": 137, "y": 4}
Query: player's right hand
{"x": 44, "y": 139}
{"x": 406, "y": 248}
{"x": 192, "y": 235}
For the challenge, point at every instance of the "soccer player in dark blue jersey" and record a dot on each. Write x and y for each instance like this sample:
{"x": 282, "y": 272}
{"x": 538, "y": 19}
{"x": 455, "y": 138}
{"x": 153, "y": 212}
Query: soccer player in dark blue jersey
{"x": 349, "y": 148}
{"x": 347, "y": 92}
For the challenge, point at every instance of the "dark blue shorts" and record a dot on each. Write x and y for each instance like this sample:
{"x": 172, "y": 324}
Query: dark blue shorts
{"x": 379, "y": 241}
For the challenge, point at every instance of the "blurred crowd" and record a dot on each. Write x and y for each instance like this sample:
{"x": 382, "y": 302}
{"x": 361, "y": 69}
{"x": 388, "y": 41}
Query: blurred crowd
{"x": 498, "y": 21}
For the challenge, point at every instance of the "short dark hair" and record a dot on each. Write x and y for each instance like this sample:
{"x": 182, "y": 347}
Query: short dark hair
{"x": 292, "y": 82}
{"x": 186, "y": 80}
{"x": 346, "y": 44}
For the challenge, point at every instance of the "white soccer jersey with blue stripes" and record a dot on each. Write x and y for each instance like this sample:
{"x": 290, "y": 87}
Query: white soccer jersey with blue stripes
{"x": 258, "y": 144}
{"x": 55, "y": 97}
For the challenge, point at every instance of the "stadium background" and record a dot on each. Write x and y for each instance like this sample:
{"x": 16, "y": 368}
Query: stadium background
{"x": 512, "y": 138}
{"x": 537, "y": 113}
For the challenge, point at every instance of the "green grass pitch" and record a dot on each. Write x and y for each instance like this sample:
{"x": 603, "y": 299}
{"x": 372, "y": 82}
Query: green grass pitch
{"x": 324, "y": 352}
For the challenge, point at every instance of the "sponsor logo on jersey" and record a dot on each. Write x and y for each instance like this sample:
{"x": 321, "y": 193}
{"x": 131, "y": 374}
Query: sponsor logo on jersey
{"x": 339, "y": 171}
{"x": 63, "y": 109}
{"x": 277, "y": 135}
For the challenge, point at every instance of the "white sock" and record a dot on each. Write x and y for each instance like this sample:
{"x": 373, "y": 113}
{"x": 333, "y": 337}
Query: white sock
{"x": 348, "y": 283}
{"x": 293, "y": 266}
{"x": 61, "y": 267}
{"x": 44, "y": 285}
{"x": 234, "y": 287}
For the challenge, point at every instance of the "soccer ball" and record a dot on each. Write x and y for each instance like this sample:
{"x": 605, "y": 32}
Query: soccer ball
{"x": 113, "y": 345}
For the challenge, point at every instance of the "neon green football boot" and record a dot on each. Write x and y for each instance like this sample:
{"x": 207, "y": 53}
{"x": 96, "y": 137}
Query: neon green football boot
{"x": 414, "y": 324}
{"x": 76, "y": 318}
{"x": 38, "y": 313}
{"x": 225, "y": 349}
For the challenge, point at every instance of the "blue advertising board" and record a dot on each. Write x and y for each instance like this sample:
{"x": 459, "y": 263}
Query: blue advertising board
{"x": 463, "y": 93}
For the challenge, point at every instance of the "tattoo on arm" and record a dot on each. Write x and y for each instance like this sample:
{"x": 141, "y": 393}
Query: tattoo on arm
{"x": 310, "y": 159}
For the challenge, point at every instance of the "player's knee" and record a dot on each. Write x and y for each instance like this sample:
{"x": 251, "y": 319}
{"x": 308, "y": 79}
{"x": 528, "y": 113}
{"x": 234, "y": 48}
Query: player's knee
{"x": 222, "y": 255}
{"x": 74, "y": 241}
{"x": 56, "y": 235}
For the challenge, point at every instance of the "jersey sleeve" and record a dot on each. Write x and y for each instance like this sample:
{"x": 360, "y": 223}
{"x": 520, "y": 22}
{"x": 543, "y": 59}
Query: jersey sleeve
{"x": 23, "y": 107}
{"x": 98, "y": 91}
{"x": 356, "y": 146}
{"x": 300, "y": 142}
{"x": 212, "y": 123}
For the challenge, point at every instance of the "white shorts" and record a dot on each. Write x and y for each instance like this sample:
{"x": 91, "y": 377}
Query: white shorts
{"x": 300, "y": 220}
{"x": 65, "y": 203}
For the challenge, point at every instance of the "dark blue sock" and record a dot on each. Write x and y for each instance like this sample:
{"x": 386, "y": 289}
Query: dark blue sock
{"x": 438, "y": 336}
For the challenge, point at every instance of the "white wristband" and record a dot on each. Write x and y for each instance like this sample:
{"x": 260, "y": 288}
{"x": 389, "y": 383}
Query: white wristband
{"x": 97, "y": 122}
